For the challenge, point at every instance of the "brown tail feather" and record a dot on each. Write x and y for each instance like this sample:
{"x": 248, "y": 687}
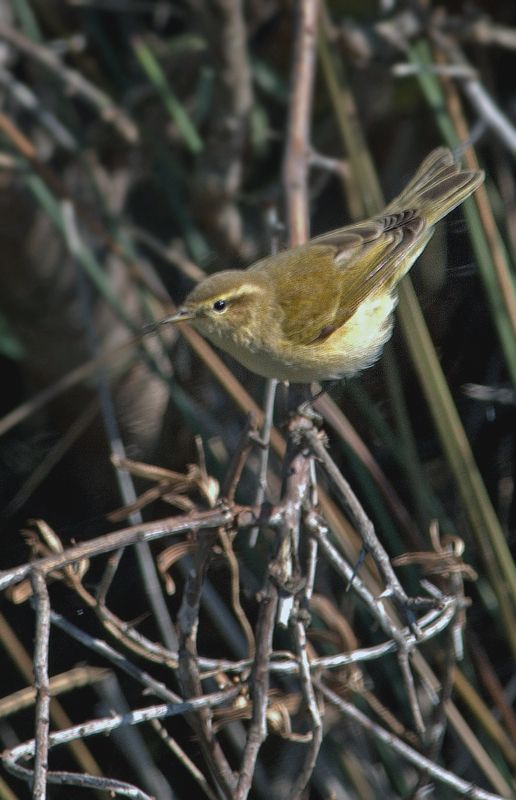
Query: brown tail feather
{"x": 437, "y": 187}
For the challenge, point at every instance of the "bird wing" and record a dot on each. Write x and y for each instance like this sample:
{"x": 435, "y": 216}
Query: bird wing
{"x": 321, "y": 285}
{"x": 390, "y": 244}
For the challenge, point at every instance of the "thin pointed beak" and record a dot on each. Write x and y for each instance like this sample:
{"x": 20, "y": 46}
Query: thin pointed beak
{"x": 181, "y": 315}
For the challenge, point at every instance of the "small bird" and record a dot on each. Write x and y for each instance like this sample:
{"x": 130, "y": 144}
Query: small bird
{"x": 324, "y": 310}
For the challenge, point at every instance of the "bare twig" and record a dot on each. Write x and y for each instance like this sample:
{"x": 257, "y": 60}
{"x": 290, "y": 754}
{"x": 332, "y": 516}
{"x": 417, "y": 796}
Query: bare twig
{"x": 39, "y": 791}
{"x": 271, "y": 385}
{"x": 105, "y": 726}
{"x": 58, "y": 716}
{"x": 404, "y": 641}
{"x": 268, "y": 412}
{"x": 74, "y": 678}
{"x": 188, "y": 621}
{"x": 239, "y": 459}
{"x": 227, "y": 546}
{"x": 318, "y": 529}
{"x": 116, "y": 658}
{"x": 187, "y": 762}
{"x": 298, "y": 150}
{"x": 260, "y": 687}
{"x": 437, "y": 728}
{"x": 294, "y": 496}
{"x": 310, "y": 699}
{"x": 363, "y": 525}
{"x": 478, "y": 96}
{"x": 119, "y": 660}
{"x": 146, "y": 532}
{"x": 412, "y": 756}
{"x": 431, "y": 625}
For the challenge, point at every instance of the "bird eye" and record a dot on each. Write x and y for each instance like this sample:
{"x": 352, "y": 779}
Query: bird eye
{"x": 219, "y": 306}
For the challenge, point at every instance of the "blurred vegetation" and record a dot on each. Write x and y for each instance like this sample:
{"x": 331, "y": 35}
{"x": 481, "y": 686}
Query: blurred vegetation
{"x": 141, "y": 146}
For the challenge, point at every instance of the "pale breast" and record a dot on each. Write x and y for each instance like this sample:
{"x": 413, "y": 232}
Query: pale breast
{"x": 350, "y": 349}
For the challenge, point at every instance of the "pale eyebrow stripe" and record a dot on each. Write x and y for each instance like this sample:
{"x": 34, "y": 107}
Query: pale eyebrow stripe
{"x": 231, "y": 294}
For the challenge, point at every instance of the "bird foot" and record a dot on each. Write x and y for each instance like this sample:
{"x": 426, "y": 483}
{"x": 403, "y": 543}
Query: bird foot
{"x": 307, "y": 411}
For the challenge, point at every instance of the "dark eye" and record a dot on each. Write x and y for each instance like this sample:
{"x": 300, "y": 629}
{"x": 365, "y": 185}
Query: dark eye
{"x": 219, "y": 306}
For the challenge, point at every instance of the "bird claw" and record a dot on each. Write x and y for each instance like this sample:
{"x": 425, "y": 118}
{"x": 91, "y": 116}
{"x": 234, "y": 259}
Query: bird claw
{"x": 307, "y": 411}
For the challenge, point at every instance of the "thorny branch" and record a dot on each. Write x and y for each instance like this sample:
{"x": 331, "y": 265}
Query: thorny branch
{"x": 289, "y": 576}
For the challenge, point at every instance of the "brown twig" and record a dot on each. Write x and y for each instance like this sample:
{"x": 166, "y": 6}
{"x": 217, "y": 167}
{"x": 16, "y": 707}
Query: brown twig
{"x": 260, "y": 687}
{"x": 189, "y": 676}
{"x": 41, "y": 683}
{"x": 337, "y": 420}
{"x": 478, "y": 96}
{"x": 182, "y": 757}
{"x": 106, "y": 726}
{"x": 439, "y": 720}
{"x": 461, "y": 786}
{"x": 282, "y": 584}
{"x": 263, "y": 484}
{"x": 234, "y": 569}
{"x": 294, "y": 497}
{"x": 405, "y": 642}
{"x": 310, "y": 699}
{"x": 75, "y": 678}
{"x": 148, "y": 532}
{"x": 297, "y": 469}
{"x": 239, "y": 459}
{"x": 117, "y": 659}
{"x": 58, "y": 716}
{"x": 363, "y": 525}
{"x": 298, "y": 151}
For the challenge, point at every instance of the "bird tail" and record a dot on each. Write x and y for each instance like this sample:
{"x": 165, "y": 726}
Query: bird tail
{"x": 437, "y": 187}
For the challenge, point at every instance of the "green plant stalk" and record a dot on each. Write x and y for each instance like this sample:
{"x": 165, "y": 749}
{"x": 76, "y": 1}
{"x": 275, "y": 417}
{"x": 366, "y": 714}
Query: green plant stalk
{"x": 484, "y": 523}
{"x": 431, "y": 88}
{"x": 27, "y": 19}
{"x": 369, "y": 201}
{"x": 174, "y": 107}
{"x": 84, "y": 255}
{"x": 413, "y": 469}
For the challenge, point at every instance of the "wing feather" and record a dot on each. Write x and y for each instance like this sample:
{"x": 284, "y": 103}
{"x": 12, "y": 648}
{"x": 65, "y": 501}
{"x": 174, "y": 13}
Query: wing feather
{"x": 321, "y": 285}
{"x": 388, "y": 248}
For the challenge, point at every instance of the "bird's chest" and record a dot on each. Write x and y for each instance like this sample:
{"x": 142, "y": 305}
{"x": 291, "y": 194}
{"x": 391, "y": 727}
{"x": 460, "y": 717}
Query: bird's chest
{"x": 360, "y": 341}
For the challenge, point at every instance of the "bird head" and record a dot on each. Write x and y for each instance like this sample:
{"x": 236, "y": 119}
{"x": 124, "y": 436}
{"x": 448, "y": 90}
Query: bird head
{"x": 222, "y": 303}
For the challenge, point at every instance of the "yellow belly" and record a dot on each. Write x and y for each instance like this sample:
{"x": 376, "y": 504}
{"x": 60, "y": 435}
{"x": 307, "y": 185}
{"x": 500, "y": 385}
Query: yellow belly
{"x": 350, "y": 349}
